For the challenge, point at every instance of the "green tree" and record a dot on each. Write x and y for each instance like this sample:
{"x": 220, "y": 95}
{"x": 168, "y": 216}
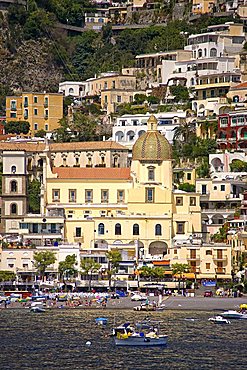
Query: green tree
{"x": 34, "y": 196}
{"x": 17, "y": 127}
{"x": 203, "y": 171}
{"x": 238, "y": 166}
{"x": 181, "y": 93}
{"x": 42, "y": 260}
{"x": 40, "y": 133}
{"x": 221, "y": 235}
{"x": 7, "y": 276}
{"x": 90, "y": 266}
{"x": 140, "y": 98}
{"x": 114, "y": 258}
{"x": 189, "y": 188}
{"x": 67, "y": 267}
{"x": 179, "y": 269}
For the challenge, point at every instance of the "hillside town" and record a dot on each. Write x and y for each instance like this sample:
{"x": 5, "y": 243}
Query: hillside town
{"x": 132, "y": 179}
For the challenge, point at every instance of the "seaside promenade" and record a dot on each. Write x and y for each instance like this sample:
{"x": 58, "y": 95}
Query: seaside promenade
{"x": 170, "y": 303}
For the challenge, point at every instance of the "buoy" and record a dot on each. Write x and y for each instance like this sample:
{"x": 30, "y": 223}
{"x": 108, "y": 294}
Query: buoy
{"x": 88, "y": 343}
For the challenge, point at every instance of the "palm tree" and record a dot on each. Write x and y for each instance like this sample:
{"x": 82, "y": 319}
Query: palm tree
{"x": 114, "y": 257}
{"x": 184, "y": 132}
{"x": 90, "y": 266}
{"x": 179, "y": 269}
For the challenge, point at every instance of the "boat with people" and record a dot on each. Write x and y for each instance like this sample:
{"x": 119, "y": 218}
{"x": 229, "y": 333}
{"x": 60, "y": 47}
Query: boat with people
{"x": 126, "y": 336}
{"x": 233, "y": 314}
{"x": 219, "y": 320}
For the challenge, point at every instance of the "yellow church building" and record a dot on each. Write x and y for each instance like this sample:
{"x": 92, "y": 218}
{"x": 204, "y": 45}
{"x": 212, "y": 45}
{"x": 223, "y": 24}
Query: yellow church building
{"x": 133, "y": 209}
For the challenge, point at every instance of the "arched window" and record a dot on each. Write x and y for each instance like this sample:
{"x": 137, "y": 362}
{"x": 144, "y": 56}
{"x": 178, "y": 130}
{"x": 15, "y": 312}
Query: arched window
{"x": 135, "y": 229}
{"x": 213, "y": 52}
{"x": 117, "y": 229}
{"x": 199, "y": 53}
{"x": 151, "y": 174}
{"x": 158, "y": 229}
{"x": 101, "y": 229}
{"x": 205, "y": 52}
{"x": 71, "y": 91}
{"x": 13, "y": 186}
{"x": 13, "y": 209}
{"x": 13, "y": 169}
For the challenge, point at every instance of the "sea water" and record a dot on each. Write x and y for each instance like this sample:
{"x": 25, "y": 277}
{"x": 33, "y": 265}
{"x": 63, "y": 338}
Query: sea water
{"x": 57, "y": 339}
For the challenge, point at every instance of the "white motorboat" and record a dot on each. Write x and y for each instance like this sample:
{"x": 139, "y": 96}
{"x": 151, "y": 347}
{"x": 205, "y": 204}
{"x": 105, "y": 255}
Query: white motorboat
{"x": 233, "y": 314}
{"x": 219, "y": 320}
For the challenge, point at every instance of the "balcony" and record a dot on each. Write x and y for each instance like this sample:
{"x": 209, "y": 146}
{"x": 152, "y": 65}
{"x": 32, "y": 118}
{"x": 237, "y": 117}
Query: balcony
{"x": 218, "y": 257}
{"x": 220, "y": 270}
{"x": 193, "y": 258}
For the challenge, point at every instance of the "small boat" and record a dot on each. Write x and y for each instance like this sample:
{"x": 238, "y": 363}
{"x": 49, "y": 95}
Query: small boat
{"x": 101, "y": 320}
{"x": 233, "y": 314}
{"x": 219, "y": 320}
{"x": 126, "y": 336}
{"x": 37, "y": 309}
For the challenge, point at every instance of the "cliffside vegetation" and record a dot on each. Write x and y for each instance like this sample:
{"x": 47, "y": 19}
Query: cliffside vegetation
{"x": 36, "y": 55}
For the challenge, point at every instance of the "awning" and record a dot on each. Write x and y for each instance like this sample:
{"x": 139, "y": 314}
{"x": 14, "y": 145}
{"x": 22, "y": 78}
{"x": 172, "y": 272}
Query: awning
{"x": 186, "y": 275}
{"x": 161, "y": 263}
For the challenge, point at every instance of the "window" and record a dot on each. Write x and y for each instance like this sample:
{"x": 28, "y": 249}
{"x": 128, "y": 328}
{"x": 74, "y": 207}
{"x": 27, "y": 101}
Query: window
{"x": 35, "y": 99}
{"x": 208, "y": 252}
{"x": 12, "y": 115}
{"x": 46, "y": 113}
{"x": 13, "y": 169}
{"x": 119, "y": 98}
{"x": 151, "y": 174}
{"x": 120, "y": 196}
{"x": 192, "y": 201}
{"x": 35, "y": 126}
{"x": 13, "y": 105}
{"x": 117, "y": 229}
{"x": 149, "y": 195}
{"x": 175, "y": 251}
{"x": 105, "y": 85}
{"x": 188, "y": 176}
{"x": 35, "y": 111}
{"x": 46, "y": 101}
{"x": 88, "y": 196}
{"x": 180, "y": 227}
{"x": 55, "y": 195}
{"x": 78, "y": 232}
{"x": 13, "y": 186}
{"x": 222, "y": 187}
{"x": 13, "y": 209}
{"x": 204, "y": 189}
{"x": 72, "y": 195}
{"x": 71, "y": 91}
{"x": 135, "y": 229}
{"x": 113, "y": 84}
{"x": 106, "y": 99}
{"x": 104, "y": 196}
{"x": 158, "y": 229}
{"x": 213, "y": 52}
{"x": 179, "y": 201}
{"x": 25, "y": 101}
{"x": 25, "y": 113}
{"x": 215, "y": 187}
{"x": 101, "y": 229}
{"x": 208, "y": 266}
{"x": 46, "y": 127}
{"x": 199, "y": 53}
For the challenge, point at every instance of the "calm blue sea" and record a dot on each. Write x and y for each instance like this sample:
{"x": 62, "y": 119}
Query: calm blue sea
{"x": 57, "y": 340}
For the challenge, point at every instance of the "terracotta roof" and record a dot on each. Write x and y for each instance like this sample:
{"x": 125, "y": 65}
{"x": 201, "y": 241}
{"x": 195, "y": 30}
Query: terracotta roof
{"x": 87, "y": 145}
{"x": 56, "y": 147}
{"x": 92, "y": 173}
{"x": 243, "y": 85}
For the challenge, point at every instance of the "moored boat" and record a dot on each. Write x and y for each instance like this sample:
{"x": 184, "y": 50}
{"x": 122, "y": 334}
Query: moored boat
{"x": 101, "y": 320}
{"x": 233, "y": 314}
{"x": 37, "y": 309}
{"x": 219, "y": 320}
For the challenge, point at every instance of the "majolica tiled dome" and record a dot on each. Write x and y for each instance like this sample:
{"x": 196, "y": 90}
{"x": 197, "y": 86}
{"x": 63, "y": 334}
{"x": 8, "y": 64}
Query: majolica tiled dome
{"x": 151, "y": 146}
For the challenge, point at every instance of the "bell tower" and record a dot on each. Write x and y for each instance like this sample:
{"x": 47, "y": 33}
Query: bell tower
{"x": 14, "y": 189}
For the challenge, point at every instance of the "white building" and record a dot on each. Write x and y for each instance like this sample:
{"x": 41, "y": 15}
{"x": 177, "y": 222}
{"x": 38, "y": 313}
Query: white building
{"x": 73, "y": 88}
{"x": 128, "y": 128}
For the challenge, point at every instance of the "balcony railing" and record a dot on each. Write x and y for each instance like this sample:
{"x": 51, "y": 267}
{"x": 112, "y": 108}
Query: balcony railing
{"x": 220, "y": 270}
{"x": 193, "y": 258}
{"x": 217, "y": 257}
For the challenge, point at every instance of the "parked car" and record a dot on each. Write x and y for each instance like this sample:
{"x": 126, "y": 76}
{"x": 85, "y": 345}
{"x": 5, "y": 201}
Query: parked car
{"x": 208, "y": 293}
{"x": 138, "y": 297}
